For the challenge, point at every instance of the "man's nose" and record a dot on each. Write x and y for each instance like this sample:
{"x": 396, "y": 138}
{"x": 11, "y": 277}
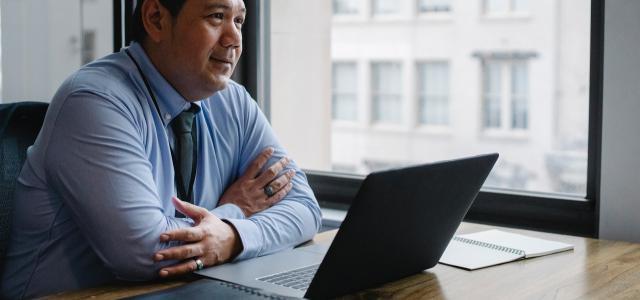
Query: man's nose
{"x": 232, "y": 36}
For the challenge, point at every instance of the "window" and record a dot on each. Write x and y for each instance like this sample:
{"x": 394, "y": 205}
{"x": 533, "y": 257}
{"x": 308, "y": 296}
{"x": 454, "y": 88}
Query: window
{"x": 505, "y": 85}
{"x": 345, "y": 7}
{"x": 345, "y": 97}
{"x": 433, "y": 93}
{"x": 386, "y": 83}
{"x": 546, "y": 178}
{"x": 385, "y": 7}
{"x": 432, "y": 6}
{"x": 44, "y": 41}
{"x": 502, "y": 7}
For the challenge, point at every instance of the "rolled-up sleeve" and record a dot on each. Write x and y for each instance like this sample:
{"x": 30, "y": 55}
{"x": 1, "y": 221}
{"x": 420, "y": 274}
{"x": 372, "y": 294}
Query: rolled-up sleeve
{"x": 97, "y": 163}
{"x": 294, "y": 219}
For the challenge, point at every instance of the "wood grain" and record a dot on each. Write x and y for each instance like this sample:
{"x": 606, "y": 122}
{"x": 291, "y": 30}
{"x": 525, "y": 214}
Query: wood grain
{"x": 595, "y": 269}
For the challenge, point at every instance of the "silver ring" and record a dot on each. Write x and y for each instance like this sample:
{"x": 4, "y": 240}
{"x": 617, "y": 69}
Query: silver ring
{"x": 199, "y": 264}
{"x": 268, "y": 190}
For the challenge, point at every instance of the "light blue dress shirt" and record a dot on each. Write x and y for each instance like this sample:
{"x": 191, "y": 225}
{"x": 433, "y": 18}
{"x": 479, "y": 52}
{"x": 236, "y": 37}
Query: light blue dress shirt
{"x": 95, "y": 192}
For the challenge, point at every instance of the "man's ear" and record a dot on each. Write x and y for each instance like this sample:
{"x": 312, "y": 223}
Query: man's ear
{"x": 156, "y": 19}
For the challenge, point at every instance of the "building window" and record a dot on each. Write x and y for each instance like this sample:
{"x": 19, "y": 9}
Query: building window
{"x": 386, "y": 93}
{"x": 502, "y": 7}
{"x": 505, "y": 99}
{"x": 385, "y": 7}
{"x": 432, "y": 6}
{"x": 344, "y": 92}
{"x": 345, "y": 7}
{"x": 433, "y": 93}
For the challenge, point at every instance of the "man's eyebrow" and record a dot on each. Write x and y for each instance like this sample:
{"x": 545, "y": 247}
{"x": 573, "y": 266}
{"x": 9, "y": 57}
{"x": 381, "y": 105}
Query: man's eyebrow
{"x": 223, "y": 6}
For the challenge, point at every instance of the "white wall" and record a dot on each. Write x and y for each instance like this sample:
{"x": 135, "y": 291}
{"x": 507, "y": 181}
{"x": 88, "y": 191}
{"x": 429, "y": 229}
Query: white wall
{"x": 620, "y": 181}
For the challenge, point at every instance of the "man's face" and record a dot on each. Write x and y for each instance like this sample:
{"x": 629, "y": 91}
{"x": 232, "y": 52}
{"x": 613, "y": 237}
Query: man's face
{"x": 202, "y": 46}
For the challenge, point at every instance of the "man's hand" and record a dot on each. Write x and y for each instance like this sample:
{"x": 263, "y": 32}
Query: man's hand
{"x": 211, "y": 240}
{"x": 248, "y": 192}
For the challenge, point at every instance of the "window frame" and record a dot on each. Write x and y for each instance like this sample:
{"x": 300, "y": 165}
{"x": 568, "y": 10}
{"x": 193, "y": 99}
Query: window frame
{"x": 565, "y": 214}
{"x": 537, "y": 211}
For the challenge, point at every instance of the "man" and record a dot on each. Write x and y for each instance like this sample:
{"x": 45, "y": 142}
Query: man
{"x": 126, "y": 134}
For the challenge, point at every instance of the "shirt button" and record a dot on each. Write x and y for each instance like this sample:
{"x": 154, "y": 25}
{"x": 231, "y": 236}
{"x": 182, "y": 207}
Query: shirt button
{"x": 167, "y": 116}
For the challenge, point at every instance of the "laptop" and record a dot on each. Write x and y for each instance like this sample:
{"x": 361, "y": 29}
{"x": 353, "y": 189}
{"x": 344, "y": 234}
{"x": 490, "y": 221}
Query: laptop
{"x": 399, "y": 224}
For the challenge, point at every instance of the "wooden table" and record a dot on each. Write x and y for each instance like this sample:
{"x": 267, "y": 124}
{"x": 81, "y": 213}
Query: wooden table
{"x": 595, "y": 269}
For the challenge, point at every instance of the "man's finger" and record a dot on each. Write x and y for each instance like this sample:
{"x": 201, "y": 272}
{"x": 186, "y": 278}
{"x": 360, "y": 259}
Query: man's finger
{"x": 254, "y": 168}
{"x": 190, "y": 234}
{"x": 280, "y": 195}
{"x": 192, "y": 211}
{"x": 270, "y": 173}
{"x": 281, "y": 181}
{"x": 179, "y": 252}
{"x": 179, "y": 269}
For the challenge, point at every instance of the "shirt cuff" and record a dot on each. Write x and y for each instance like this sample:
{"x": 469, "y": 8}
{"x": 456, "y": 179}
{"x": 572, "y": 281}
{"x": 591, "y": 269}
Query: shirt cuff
{"x": 228, "y": 211}
{"x": 249, "y": 236}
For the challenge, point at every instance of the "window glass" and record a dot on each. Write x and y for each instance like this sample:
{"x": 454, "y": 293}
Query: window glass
{"x": 496, "y": 6}
{"x": 344, "y": 92}
{"x": 385, "y": 7}
{"x": 428, "y": 6}
{"x": 520, "y": 5}
{"x": 44, "y": 41}
{"x": 345, "y": 7}
{"x": 433, "y": 93}
{"x": 428, "y": 92}
{"x": 519, "y": 95}
{"x": 492, "y": 79}
{"x": 386, "y": 82}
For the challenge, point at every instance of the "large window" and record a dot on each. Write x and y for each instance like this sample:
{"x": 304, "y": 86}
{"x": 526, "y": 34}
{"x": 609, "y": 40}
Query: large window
{"x": 436, "y": 90}
{"x": 44, "y": 41}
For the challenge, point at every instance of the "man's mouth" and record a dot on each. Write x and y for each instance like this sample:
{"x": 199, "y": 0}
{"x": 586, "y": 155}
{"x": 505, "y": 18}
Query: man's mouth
{"x": 222, "y": 60}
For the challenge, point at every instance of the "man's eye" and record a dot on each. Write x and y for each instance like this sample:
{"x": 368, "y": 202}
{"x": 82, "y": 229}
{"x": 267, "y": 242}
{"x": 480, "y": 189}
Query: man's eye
{"x": 217, "y": 15}
{"x": 239, "y": 21}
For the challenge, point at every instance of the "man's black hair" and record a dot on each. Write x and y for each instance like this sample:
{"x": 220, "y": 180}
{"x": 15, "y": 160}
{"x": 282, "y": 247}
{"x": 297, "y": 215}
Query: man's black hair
{"x": 139, "y": 33}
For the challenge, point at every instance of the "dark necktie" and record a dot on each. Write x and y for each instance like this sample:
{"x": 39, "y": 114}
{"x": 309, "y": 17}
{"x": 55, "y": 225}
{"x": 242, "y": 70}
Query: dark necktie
{"x": 184, "y": 154}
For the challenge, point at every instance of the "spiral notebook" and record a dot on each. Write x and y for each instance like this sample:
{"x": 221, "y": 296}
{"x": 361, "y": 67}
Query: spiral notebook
{"x": 492, "y": 247}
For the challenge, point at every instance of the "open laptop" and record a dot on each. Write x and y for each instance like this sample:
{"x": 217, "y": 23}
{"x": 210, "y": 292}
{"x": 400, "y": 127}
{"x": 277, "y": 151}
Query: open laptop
{"x": 399, "y": 224}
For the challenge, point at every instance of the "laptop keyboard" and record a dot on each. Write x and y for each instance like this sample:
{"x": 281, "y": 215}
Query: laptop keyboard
{"x": 298, "y": 279}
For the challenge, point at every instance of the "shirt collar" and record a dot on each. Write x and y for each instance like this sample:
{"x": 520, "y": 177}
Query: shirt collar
{"x": 170, "y": 102}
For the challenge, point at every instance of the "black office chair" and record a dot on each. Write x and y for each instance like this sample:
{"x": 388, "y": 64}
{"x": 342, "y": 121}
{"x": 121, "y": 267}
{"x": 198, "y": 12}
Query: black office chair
{"x": 19, "y": 125}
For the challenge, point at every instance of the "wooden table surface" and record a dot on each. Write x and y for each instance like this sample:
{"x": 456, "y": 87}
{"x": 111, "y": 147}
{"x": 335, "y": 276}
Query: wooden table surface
{"x": 595, "y": 269}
